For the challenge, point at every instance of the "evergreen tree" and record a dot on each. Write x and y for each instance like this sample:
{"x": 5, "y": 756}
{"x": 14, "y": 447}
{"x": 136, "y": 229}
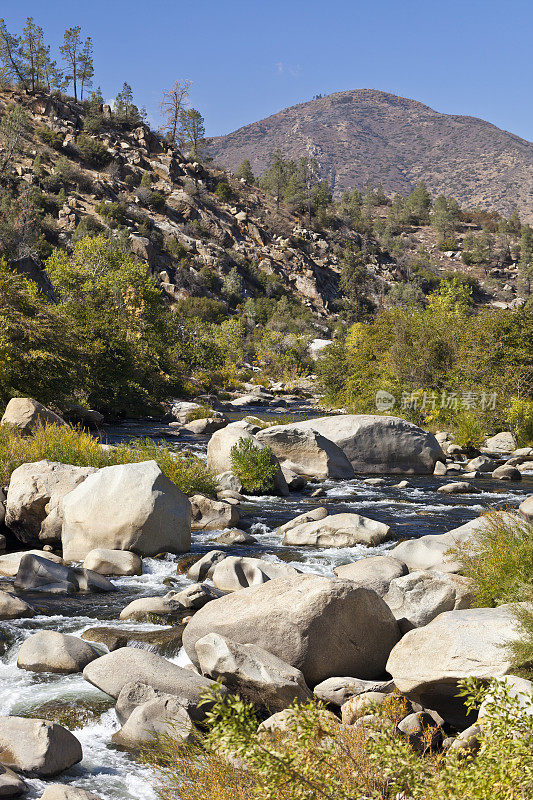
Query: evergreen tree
{"x": 12, "y": 62}
{"x": 71, "y": 50}
{"x": 419, "y": 204}
{"x": 193, "y": 132}
{"x": 125, "y": 110}
{"x": 526, "y": 256}
{"x": 13, "y": 125}
{"x": 34, "y": 53}
{"x": 445, "y": 216}
{"x": 245, "y": 172}
{"x": 277, "y": 176}
{"x": 86, "y": 66}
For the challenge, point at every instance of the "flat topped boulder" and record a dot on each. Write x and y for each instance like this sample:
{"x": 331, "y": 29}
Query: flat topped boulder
{"x": 309, "y": 453}
{"x": 338, "y": 530}
{"x": 321, "y": 626}
{"x": 126, "y": 507}
{"x": 376, "y": 444}
{"x": 37, "y": 748}
{"x": 51, "y": 651}
{"x": 26, "y": 414}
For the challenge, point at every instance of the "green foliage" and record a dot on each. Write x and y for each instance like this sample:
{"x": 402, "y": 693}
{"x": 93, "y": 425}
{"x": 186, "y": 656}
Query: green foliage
{"x": 521, "y": 418}
{"x": 14, "y": 125}
{"x": 255, "y": 467}
{"x": 316, "y": 758}
{"x": 202, "y": 412}
{"x": 157, "y": 201}
{"x": 116, "y": 213}
{"x": 92, "y": 151}
{"x": 445, "y": 216}
{"x": 223, "y": 191}
{"x": 69, "y": 446}
{"x": 125, "y": 111}
{"x": 245, "y": 172}
{"x": 233, "y": 286}
{"x": 51, "y": 138}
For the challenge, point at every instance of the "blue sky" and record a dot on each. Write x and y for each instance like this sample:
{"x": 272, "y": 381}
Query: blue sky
{"x": 251, "y": 58}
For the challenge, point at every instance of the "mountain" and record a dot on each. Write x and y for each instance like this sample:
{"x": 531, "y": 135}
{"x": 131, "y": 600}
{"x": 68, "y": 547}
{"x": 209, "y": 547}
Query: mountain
{"x": 366, "y": 136}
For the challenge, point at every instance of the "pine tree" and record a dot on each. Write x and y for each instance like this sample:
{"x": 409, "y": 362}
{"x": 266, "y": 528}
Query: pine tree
{"x": 193, "y": 132}
{"x": 33, "y": 52}
{"x": 245, "y": 172}
{"x": 71, "y": 51}
{"x": 526, "y": 256}
{"x": 125, "y": 110}
{"x": 276, "y": 177}
{"x": 12, "y": 64}
{"x": 86, "y": 66}
{"x": 419, "y": 204}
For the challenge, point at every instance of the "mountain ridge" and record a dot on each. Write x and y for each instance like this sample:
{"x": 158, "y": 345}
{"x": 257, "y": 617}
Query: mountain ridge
{"x": 366, "y": 136}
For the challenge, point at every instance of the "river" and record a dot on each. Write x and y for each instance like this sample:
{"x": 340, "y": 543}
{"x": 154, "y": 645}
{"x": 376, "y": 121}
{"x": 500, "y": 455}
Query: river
{"x": 113, "y": 774}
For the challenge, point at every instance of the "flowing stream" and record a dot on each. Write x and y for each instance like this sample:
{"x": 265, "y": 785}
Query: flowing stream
{"x": 113, "y": 774}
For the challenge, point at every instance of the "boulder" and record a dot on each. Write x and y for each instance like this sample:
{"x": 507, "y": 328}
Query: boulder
{"x": 507, "y": 473}
{"x": 35, "y": 490}
{"x": 171, "y": 605}
{"x": 219, "y": 452}
{"x": 417, "y": 727}
{"x": 235, "y": 536}
{"x": 204, "y": 567}
{"x": 440, "y": 468}
{"x": 278, "y": 723}
{"x": 236, "y": 572}
{"x": 11, "y": 785}
{"x": 459, "y": 487}
{"x": 295, "y": 481}
{"x": 165, "y": 715}
{"x": 336, "y": 691}
{"x": 417, "y": 598}
{"x": 431, "y": 551}
{"x": 374, "y": 573}
{"x": 520, "y": 689}
{"x": 377, "y": 444}
{"x": 37, "y": 748}
{"x": 181, "y": 409}
{"x": 212, "y": 515}
{"x": 113, "y": 562}
{"x": 503, "y": 442}
{"x": 110, "y": 673}
{"x": 338, "y": 530}
{"x": 10, "y": 562}
{"x": 13, "y": 608}
{"x": 308, "y": 516}
{"x": 36, "y": 574}
{"x": 126, "y": 507}
{"x": 428, "y": 662}
{"x": 481, "y": 463}
{"x": 252, "y": 672}
{"x": 62, "y": 791}
{"x": 361, "y": 704}
{"x": 26, "y": 414}
{"x": 309, "y": 453}
{"x": 50, "y": 651}
{"x": 525, "y": 508}
{"x": 206, "y": 426}
{"x": 321, "y": 626}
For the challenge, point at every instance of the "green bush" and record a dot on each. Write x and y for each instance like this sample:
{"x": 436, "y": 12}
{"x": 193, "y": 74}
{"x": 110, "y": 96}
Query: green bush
{"x": 223, "y": 191}
{"x": 116, "y": 213}
{"x": 203, "y": 412}
{"x": 92, "y": 151}
{"x": 69, "y": 446}
{"x": 253, "y": 466}
{"x": 318, "y": 759}
{"x": 50, "y": 137}
{"x": 157, "y": 201}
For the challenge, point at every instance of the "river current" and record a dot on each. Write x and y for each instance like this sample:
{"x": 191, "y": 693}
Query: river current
{"x": 113, "y": 774}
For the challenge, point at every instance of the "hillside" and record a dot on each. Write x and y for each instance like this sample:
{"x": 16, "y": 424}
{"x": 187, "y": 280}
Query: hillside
{"x": 366, "y": 136}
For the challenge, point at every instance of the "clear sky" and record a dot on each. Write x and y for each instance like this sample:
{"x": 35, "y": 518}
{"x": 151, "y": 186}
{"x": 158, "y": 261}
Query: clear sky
{"x": 251, "y": 58}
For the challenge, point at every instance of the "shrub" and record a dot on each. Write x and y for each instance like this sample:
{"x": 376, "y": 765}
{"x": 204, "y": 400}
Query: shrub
{"x": 318, "y": 759}
{"x": 92, "y": 151}
{"x": 449, "y": 244}
{"x": 499, "y": 560}
{"x": 69, "y": 446}
{"x": 175, "y": 248}
{"x": 253, "y": 466}
{"x": 157, "y": 201}
{"x": 116, "y": 213}
{"x": 87, "y": 226}
{"x": 50, "y": 137}
{"x": 203, "y": 412}
{"x": 223, "y": 191}
{"x": 468, "y": 429}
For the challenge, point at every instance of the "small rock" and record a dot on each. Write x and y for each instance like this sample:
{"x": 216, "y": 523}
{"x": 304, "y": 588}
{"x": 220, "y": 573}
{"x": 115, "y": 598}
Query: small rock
{"x": 460, "y": 487}
{"x": 506, "y": 473}
{"x": 13, "y": 608}
{"x": 235, "y": 536}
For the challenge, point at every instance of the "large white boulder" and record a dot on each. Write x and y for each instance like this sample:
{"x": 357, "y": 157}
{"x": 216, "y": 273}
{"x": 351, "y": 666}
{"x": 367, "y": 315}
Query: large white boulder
{"x": 338, "y": 530}
{"x": 525, "y": 508}
{"x": 112, "y": 672}
{"x": 503, "y": 442}
{"x": 235, "y": 572}
{"x": 35, "y": 491}
{"x": 417, "y": 598}
{"x": 126, "y": 507}
{"x": 375, "y": 572}
{"x": 308, "y": 516}
{"x": 26, "y": 414}
{"x": 252, "y": 672}
{"x": 164, "y": 715}
{"x": 212, "y": 515}
{"x": 309, "y": 453}
{"x": 219, "y": 452}
{"x": 428, "y": 662}
{"x": 377, "y": 444}
{"x": 321, "y": 626}
{"x": 37, "y": 748}
{"x": 63, "y": 791}
{"x": 51, "y": 651}
{"x": 12, "y": 607}
{"x": 36, "y": 574}
{"x": 113, "y": 562}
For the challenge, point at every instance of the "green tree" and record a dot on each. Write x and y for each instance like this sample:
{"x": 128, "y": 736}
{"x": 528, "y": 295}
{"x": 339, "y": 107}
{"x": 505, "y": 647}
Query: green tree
{"x": 526, "y": 256}
{"x": 13, "y": 126}
{"x": 354, "y": 280}
{"x": 277, "y": 176}
{"x": 86, "y": 66}
{"x": 77, "y": 56}
{"x": 125, "y": 110}
{"x": 445, "y": 216}
{"x": 419, "y": 204}
{"x": 193, "y": 132}
{"x": 34, "y": 53}
{"x": 245, "y": 172}
{"x": 12, "y": 62}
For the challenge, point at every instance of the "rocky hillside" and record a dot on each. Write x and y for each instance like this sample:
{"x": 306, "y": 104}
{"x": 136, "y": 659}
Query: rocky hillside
{"x": 366, "y": 136}
{"x": 190, "y": 232}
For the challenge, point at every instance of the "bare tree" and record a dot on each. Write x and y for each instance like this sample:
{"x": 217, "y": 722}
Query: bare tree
{"x": 173, "y": 103}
